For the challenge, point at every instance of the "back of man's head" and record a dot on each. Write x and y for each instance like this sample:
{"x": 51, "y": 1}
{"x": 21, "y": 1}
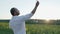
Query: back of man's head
{"x": 13, "y": 10}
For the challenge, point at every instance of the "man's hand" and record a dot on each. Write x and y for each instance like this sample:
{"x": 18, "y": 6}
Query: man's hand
{"x": 37, "y": 4}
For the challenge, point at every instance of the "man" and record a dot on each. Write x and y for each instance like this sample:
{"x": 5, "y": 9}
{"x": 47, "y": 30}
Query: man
{"x": 17, "y": 23}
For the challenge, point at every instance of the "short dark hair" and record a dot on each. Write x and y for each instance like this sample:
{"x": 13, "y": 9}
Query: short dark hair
{"x": 13, "y": 10}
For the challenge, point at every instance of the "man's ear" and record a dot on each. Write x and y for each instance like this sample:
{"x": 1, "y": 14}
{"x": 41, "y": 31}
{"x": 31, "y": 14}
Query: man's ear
{"x": 14, "y": 13}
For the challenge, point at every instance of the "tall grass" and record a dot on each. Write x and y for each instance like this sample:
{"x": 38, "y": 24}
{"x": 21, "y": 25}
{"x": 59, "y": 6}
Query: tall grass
{"x": 32, "y": 29}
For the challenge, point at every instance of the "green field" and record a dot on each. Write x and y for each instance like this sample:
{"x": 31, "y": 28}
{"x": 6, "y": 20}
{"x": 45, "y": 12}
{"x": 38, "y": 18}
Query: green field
{"x": 32, "y": 29}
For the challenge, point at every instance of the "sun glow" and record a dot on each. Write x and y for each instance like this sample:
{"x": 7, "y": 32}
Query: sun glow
{"x": 47, "y": 20}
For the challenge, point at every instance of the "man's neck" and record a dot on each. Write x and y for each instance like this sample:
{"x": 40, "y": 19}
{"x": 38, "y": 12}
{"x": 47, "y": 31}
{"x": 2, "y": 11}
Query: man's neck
{"x": 15, "y": 15}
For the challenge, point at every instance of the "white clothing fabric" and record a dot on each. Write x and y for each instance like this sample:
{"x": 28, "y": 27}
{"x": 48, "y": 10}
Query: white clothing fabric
{"x": 17, "y": 23}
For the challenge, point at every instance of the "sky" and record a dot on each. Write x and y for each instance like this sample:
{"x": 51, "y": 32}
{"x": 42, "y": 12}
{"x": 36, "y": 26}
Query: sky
{"x": 48, "y": 9}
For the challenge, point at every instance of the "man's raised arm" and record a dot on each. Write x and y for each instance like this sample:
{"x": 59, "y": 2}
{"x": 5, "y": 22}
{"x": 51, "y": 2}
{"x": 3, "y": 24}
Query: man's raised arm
{"x": 26, "y": 17}
{"x": 37, "y": 4}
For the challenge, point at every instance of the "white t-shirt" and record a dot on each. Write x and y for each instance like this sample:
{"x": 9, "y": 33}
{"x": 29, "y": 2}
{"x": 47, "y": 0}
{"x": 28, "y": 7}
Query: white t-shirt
{"x": 17, "y": 23}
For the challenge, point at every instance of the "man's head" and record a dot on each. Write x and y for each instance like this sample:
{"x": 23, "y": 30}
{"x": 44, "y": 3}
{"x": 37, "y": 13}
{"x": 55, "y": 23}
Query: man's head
{"x": 14, "y": 11}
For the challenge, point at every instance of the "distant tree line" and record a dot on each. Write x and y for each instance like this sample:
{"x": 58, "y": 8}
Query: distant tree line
{"x": 37, "y": 21}
{"x": 6, "y": 21}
